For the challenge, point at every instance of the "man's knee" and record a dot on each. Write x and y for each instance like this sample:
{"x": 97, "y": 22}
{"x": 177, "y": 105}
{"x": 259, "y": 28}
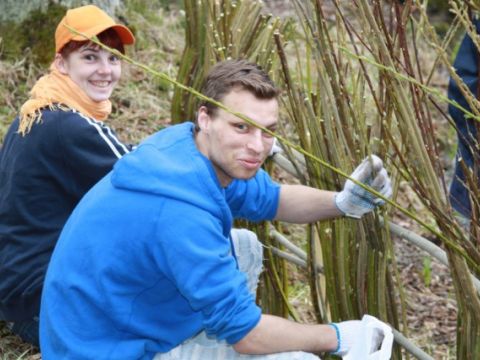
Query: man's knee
{"x": 249, "y": 253}
{"x": 247, "y": 246}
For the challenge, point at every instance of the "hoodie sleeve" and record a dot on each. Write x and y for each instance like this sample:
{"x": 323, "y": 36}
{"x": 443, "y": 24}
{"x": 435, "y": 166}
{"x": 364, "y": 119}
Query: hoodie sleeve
{"x": 197, "y": 258}
{"x": 255, "y": 199}
{"x": 466, "y": 66}
{"x": 90, "y": 149}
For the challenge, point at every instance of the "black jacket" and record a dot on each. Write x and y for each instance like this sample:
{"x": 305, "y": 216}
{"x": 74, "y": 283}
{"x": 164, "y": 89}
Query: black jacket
{"x": 43, "y": 175}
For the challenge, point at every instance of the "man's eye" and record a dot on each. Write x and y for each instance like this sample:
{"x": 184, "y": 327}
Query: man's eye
{"x": 267, "y": 135}
{"x": 242, "y": 127}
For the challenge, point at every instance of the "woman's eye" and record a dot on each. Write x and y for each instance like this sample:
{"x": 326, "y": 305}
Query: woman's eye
{"x": 89, "y": 57}
{"x": 114, "y": 59}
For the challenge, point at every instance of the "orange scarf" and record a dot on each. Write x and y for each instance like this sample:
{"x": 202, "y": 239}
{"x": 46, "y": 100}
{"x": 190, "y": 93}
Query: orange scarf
{"x": 58, "y": 91}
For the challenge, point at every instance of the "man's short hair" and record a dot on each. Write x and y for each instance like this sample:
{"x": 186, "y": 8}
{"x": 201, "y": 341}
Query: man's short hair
{"x": 230, "y": 74}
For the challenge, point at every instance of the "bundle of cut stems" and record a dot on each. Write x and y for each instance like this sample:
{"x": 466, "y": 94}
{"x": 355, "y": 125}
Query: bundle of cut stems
{"x": 359, "y": 88}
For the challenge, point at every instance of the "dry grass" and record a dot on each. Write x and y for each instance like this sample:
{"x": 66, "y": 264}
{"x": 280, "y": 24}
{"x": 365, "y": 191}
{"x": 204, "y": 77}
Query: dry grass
{"x": 16, "y": 79}
{"x": 12, "y": 347}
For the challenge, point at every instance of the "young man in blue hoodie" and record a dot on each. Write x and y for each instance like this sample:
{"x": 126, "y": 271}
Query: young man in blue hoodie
{"x": 146, "y": 260}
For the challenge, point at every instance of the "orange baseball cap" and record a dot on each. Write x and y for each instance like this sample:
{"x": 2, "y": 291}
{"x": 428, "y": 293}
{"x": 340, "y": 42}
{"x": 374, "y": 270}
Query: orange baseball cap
{"x": 91, "y": 21}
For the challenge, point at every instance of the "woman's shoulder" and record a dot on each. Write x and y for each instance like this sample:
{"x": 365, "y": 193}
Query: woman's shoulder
{"x": 59, "y": 114}
{"x": 69, "y": 120}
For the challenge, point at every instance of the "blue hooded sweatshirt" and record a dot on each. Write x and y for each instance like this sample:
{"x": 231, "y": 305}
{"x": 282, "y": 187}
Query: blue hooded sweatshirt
{"x": 145, "y": 261}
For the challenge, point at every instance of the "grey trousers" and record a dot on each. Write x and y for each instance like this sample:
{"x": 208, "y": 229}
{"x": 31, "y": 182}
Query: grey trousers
{"x": 249, "y": 254}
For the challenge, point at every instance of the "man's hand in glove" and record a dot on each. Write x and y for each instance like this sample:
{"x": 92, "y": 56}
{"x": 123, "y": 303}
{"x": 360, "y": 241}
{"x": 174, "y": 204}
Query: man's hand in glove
{"x": 354, "y": 201}
{"x": 362, "y": 338}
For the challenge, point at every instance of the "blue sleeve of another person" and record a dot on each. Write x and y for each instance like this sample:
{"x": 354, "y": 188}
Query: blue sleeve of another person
{"x": 466, "y": 65}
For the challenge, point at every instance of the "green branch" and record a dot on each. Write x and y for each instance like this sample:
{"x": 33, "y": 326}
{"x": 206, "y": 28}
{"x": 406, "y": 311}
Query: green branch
{"x": 427, "y": 89}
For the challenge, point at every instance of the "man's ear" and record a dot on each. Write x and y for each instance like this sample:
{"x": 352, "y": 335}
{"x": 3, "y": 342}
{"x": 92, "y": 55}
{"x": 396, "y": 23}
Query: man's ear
{"x": 203, "y": 119}
{"x": 61, "y": 64}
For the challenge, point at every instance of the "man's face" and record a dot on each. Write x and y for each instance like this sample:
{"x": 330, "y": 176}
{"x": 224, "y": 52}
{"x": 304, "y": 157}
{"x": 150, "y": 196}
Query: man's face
{"x": 236, "y": 148}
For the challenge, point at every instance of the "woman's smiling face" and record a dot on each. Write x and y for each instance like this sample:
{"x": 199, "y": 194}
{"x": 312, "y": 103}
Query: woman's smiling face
{"x": 95, "y": 70}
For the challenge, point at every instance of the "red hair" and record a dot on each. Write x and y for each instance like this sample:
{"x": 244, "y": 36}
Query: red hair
{"x": 108, "y": 37}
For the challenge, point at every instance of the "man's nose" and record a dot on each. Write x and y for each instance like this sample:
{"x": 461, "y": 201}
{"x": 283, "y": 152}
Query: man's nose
{"x": 255, "y": 142}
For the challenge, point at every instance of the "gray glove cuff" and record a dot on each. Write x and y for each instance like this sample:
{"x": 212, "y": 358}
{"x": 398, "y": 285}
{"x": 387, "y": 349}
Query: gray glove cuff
{"x": 347, "y": 208}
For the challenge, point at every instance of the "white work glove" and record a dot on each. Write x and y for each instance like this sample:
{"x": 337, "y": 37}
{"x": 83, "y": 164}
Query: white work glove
{"x": 359, "y": 338}
{"x": 275, "y": 148}
{"x": 347, "y": 333}
{"x": 354, "y": 201}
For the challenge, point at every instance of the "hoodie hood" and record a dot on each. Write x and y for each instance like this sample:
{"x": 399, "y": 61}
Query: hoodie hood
{"x": 158, "y": 163}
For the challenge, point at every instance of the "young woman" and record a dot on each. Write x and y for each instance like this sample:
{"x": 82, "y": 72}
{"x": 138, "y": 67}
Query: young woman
{"x": 54, "y": 152}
